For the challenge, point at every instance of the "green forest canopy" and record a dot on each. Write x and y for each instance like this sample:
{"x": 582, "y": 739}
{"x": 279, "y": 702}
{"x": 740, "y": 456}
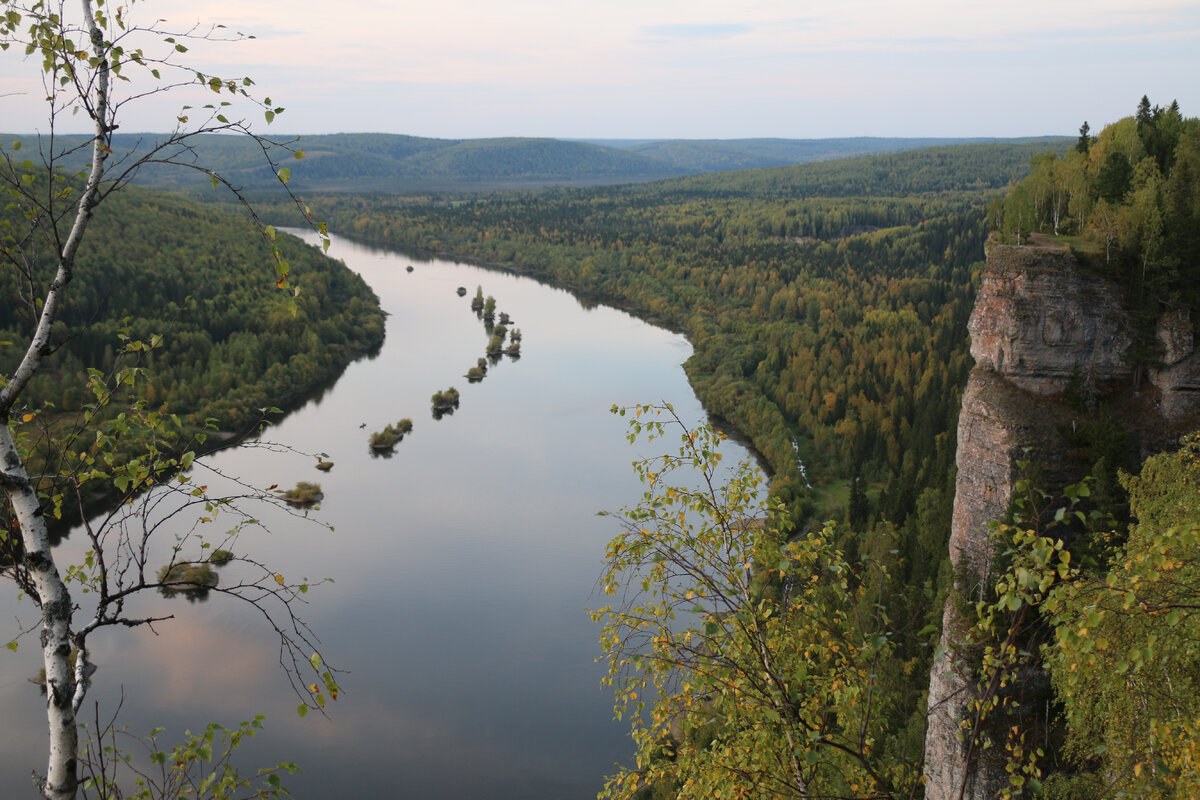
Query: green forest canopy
{"x": 1129, "y": 197}
{"x": 159, "y": 265}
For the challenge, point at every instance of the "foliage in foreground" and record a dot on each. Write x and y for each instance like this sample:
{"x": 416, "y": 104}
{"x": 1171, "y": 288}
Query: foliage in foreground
{"x": 1112, "y": 617}
{"x": 753, "y": 661}
{"x": 1126, "y": 658}
{"x": 199, "y": 767}
{"x": 43, "y": 226}
{"x": 749, "y": 662}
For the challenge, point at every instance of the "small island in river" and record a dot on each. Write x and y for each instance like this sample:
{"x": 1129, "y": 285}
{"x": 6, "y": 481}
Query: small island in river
{"x": 387, "y": 438}
{"x": 303, "y": 494}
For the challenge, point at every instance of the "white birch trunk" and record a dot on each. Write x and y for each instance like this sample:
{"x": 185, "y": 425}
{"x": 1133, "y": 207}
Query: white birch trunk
{"x": 63, "y": 694}
{"x": 60, "y": 779}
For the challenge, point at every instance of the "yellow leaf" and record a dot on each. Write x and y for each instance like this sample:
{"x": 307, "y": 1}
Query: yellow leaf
{"x": 27, "y": 418}
{"x": 279, "y": 579}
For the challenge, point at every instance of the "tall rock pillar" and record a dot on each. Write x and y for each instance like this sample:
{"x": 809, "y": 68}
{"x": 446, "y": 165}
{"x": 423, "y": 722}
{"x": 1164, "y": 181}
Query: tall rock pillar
{"x": 1038, "y": 323}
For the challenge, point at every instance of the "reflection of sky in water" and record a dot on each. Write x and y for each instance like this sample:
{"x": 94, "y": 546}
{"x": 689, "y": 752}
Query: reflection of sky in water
{"x": 463, "y": 564}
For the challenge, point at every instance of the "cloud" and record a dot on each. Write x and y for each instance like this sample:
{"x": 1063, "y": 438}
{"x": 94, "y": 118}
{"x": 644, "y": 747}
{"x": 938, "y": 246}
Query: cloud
{"x": 699, "y": 30}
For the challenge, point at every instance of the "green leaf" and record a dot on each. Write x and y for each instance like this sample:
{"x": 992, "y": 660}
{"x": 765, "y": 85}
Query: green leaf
{"x": 285, "y": 174}
{"x": 302, "y": 710}
{"x": 12, "y": 645}
{"x": 315, "y": 660}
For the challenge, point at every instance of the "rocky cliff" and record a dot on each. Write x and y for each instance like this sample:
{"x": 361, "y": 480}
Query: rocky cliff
{"x": 1042, "y": 328}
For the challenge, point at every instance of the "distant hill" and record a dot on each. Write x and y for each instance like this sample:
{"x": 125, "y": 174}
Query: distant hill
{"x": 376, "y": 162}
{"x": 362, "y": 162}
{"x": 956, "y": 168}
{"x": 722, "y": 155}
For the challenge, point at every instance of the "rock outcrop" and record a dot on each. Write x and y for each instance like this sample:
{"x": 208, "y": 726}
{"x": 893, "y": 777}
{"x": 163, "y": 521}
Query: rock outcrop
{"x": 1040, "y": 322}
{"x": 1040, "y": 326}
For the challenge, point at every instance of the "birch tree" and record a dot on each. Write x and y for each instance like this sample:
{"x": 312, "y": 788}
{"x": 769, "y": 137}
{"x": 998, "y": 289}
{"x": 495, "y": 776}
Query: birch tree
{"x": 94, "y": 63}
{"x": 750, "y": 662}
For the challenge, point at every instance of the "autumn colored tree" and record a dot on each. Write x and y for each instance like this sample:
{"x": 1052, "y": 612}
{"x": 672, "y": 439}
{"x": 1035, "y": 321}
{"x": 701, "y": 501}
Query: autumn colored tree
{"x": 748, "y": 660}
{"x": 1125, "y": 660}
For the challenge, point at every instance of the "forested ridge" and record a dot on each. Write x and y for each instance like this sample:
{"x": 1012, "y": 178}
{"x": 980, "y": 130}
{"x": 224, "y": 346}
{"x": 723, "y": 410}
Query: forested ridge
{"x": 163, "y": 267}
{"x": 362, "y": 162}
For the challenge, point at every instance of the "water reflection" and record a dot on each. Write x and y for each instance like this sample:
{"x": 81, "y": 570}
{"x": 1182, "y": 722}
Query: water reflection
{"x": 462, "y": 561}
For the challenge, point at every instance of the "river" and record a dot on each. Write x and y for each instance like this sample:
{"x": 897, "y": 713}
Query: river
{"x": 462, "y": 565}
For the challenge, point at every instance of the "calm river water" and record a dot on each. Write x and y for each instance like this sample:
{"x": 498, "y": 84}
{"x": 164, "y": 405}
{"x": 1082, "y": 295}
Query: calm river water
{"x": 463, "y": 564}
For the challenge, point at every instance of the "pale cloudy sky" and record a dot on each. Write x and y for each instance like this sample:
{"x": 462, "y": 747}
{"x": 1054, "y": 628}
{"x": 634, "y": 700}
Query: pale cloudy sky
{"x": 684, "y": 68}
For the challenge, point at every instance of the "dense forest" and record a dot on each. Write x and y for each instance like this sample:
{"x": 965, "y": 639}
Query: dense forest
{"x": 186, "y": 292}
{"x": 827, "y": 303}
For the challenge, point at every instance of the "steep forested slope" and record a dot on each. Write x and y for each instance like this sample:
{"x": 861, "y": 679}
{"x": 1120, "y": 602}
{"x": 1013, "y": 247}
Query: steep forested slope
{"x": 201, "y": 279}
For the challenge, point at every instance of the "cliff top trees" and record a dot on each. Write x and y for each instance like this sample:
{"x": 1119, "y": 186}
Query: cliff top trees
{"x": 83, "y": 59}
{"x": 1084, "y": 143}
{"x": 1132, "y": 190}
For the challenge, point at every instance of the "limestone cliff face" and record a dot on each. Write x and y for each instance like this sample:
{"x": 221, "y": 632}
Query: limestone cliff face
{"x": 1038, "y": 321}
{"x": 1039, "y": 324}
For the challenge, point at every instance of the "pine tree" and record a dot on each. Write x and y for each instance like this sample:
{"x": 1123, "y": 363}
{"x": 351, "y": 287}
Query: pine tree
{"x": 1084, "y": 143}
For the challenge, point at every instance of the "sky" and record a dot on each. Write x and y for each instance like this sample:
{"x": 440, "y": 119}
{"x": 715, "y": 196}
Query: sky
{"x": 651, "y": 69}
